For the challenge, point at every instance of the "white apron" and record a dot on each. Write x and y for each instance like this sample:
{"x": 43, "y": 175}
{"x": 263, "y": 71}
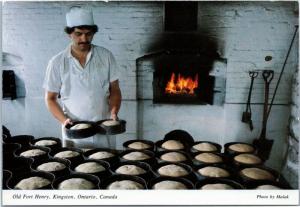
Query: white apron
{"x": 84, "y": 95}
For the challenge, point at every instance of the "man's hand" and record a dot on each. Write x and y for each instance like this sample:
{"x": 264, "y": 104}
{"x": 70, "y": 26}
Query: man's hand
{"x": 67, "y": 121}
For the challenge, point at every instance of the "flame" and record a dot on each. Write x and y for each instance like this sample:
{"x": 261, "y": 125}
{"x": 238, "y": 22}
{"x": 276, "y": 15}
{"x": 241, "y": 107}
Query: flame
{"x": 181, "y": 85}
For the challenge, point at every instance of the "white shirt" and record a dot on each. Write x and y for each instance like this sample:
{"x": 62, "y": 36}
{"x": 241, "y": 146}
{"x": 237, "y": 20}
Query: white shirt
{"x": 84, "y": 90}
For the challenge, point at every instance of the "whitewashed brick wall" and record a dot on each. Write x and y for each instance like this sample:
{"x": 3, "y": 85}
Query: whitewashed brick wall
{"x": 246, "y": 32}
{"x": 291, "y": 170}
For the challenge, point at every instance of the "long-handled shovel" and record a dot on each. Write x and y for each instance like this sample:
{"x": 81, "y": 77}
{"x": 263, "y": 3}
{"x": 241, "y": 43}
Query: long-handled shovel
{"x": 263, "y": 144}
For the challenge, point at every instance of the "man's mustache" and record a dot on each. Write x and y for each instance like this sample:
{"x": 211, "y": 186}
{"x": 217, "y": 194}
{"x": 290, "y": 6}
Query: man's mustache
{"x": 84, "y": 43}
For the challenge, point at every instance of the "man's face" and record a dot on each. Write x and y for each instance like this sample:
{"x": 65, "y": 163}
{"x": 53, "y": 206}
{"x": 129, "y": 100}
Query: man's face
{"x": 81, "y": 39}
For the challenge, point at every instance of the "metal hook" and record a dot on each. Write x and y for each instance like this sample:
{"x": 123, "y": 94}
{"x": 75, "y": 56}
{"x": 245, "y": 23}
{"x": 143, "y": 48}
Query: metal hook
{"x": 253, "y": 74}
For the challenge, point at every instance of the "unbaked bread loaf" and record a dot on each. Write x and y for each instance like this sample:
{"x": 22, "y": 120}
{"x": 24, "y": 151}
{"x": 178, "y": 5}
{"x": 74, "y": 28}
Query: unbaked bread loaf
{"x": 101, "y": 155}
{"x": 136, "y": 156}
{"x": 205, "y": 147}
{"x": 32, "y": 153}
{"x": 169, "y": 185}
{"x": 130, "y": 170}
{"x": 241, "y": 147}
{"x": 45, "y": 143}
{"x": 207, "y": 157}
{"x": 267, "y": 187}
{"x": 247, "y": 159}
{"x": 125, "y": 185}
{"x": 76, "y": 183}
{"x": 216, "y": 186}
{"x": 80, "y": 126}
{"x": 32, "y": 183}
{"x": 257, "y": 174}
{"x": 173, "y": 157}
{"x": 172, "y": 145}
{"x": 51, "y": 166}
{"x": 211, "y": 171}
{"x": 67, "y": 154}
{"x": 172, "y": 170}
{"x": 90, "y": 167}
{"x": 139, "y": 145}
{"x": 111, "y": 123}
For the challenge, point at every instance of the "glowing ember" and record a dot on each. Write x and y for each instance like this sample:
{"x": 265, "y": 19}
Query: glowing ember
{"x": 181, "y": 85}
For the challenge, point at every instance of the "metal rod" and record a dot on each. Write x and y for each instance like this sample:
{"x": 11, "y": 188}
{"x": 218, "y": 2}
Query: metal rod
{"x": 286, "y": 58}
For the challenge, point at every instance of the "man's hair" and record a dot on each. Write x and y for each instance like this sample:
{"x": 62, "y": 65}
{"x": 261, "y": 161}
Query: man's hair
{"x": 93, "y": 28}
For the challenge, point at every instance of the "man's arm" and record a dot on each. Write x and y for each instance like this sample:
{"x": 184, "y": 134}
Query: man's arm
{"x": 55, "y": 109}
{"x": 114, "y": 99}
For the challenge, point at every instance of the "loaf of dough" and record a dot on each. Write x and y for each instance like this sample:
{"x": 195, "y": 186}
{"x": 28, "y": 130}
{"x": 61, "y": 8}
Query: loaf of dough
{"x": 125, "y": 185}
{"x": 130, "y": 170}
{"x": 169, "y": 185}
{"x": 110, "y": 123}
{"x": 172, "y": 145}
{"x": 268, "y": 187}
{"x": 32, "y": 153}
{"x": 101, "y": 155}
{"x": 76, "y": 183}
{"x": 139, "y": 145}
{"x": 90, "y": 167}
{"x": 172, "y": 170}
{"x": 257, "y": 174}
{"x": 173, "y": 157}
{"x": 67, "y": 154}
{"x": 80, "y": 126}
{"x": 136, "y": 156}
{"x": 216, "y": 186}
{"x": 247, "y": 159}
{"x": 207, "y": 157}
{"x": 205, "y": 147}
{"x": 211, "y": 171}
{"x": 45, "y": 143}
{"x": 241, "y": 148}
{"x": 51, "y": 166}
{"x": 32, "y": 183}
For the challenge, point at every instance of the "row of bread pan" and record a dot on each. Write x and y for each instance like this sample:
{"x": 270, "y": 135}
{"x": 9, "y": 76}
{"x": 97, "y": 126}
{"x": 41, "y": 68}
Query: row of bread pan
{"x": 28, "y": 140}
{"x": 157, "y": 146}
{"x": 191, "y": 160}
{"x": 10, "y": 183}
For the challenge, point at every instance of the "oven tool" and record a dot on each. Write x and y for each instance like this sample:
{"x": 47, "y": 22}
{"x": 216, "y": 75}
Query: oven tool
{"x": 246, "y": 117}
{"x": 263, "y": 144}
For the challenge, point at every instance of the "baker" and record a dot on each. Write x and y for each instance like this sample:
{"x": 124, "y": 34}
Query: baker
{"x": 85, "y": 76}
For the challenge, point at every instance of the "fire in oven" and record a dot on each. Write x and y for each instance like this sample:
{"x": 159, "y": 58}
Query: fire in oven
{"x": 183, "y": 78}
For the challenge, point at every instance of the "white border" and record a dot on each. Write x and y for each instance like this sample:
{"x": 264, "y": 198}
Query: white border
{"x": 150, "y": 197}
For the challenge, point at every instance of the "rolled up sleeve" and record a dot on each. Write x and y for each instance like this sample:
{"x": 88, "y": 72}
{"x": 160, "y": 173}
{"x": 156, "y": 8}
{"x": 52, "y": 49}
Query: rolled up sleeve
{"x": 52, "y": 81}
{"x": 113, "y": 68}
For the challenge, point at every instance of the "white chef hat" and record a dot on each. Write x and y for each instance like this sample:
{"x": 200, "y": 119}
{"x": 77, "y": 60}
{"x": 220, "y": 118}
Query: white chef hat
{"x": 78, "y": 16}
